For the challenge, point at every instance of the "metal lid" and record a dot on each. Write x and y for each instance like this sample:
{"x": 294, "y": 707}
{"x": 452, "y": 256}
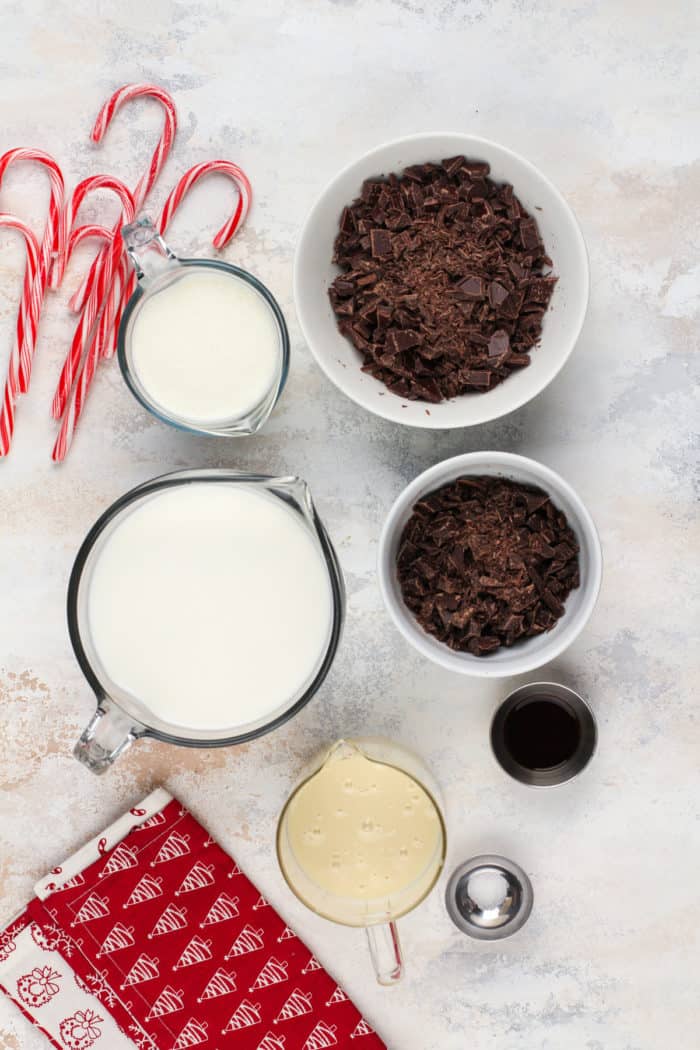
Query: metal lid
{"x": 489, "y": 897}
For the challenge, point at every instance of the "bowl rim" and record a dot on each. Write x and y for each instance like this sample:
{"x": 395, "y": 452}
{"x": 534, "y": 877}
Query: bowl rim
{"x": 423, "y": 421}
{"x": 442, "y": 473}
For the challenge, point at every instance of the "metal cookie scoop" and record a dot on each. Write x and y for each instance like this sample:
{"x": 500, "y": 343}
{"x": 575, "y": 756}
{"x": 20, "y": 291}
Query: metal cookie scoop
{"x": 489, "y": 897}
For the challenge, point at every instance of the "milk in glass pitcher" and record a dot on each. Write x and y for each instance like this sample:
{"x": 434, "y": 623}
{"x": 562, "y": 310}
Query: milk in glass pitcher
{"x": 203, "y": 345}
{"x": 205, "y": 609}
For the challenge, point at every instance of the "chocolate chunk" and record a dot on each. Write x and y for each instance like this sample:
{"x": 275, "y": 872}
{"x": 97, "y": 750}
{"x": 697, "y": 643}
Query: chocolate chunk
{"x": 480, "y": 379}
{"x": 406, "y": 339}
{"x": 475, "y": 168}
{"x": 451, "y": 263}
{"x": 381, "y": 242}
{"x": 347, "y": 221}
{"x": 343, "y": 287}
{"x": 499, "y": 343}
{"x": 452, "y": 165}
{"x": 485, "y": 562}
{"x": 471, "y": 287}
{"x": 529, "y": 235}
{"x": 497, "y": 293}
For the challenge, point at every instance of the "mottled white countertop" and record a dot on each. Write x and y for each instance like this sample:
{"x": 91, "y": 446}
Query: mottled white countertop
{"x": 602, "y": 96}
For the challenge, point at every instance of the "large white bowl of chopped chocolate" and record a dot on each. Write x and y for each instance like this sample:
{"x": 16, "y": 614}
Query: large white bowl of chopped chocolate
{"x": 489, "y": 564}
{"x": 441, "y": 281}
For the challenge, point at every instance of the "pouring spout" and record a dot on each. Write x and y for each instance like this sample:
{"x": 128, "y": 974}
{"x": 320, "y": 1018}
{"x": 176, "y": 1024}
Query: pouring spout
{"x": 341, "y": 751}
{"x": 296, "y": 489}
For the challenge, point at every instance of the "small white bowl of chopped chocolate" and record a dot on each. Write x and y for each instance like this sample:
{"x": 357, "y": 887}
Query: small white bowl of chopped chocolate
{"x": 489, "y": 564}
{"x": 441, "y": 281}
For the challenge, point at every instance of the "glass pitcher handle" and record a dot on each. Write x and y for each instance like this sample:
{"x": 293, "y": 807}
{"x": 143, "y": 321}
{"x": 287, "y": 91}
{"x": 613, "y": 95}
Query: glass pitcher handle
{"x": 385, "y": 950}
{"x": 149, "y": 253}
{"x": 106, "y": 736}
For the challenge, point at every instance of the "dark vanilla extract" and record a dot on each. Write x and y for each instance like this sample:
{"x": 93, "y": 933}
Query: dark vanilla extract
{"x": 541, "y": 733}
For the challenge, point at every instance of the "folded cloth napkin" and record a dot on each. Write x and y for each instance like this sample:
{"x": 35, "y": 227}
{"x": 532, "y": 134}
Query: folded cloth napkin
{"x": 152, "y": 937}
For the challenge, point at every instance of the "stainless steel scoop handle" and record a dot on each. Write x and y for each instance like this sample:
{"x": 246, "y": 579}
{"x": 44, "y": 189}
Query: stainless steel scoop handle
{"x": 108, "y": 733}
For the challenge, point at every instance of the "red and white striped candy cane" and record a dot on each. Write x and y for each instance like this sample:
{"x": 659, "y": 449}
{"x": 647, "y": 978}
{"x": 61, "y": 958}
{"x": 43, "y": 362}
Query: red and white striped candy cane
{"x": 85, "y": 329}
{"x": 49, "y": 244}
{"x": 12, "y": 385}
{"x": 102, "y": 345}
{"x": 191, "y": 177}
{"x": 145, "y": 184}
{"x": 221, "y": 239}
{"x": 108, "y": 325}
{"x": 86, "y": 232}
{"x": 82, "y": 233}
{"x": 70, "y": 210}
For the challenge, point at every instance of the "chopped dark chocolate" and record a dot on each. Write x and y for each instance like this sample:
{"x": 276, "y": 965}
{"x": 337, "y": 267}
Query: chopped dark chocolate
{"x": 471, "y": 288}
{"x": 485, "y": 562}
{"x": 380, "y": 241}
{"x": 497, "y": 293}
{"x": 499, "y": 343}
{"x": 445, "y": 280}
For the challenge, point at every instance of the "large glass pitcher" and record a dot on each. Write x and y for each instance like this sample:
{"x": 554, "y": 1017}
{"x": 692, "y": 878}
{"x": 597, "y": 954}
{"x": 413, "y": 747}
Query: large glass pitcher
{"x": 361, "y": 841}
{"x": 160, "y": 655}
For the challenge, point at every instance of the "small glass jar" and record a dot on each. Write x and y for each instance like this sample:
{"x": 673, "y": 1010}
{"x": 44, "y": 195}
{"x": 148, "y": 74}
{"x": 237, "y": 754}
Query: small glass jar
{"x": 158, "y": 269}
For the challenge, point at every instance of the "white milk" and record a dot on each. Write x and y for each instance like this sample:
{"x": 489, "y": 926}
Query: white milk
{"x": 206, "y": 348}
{"x": 211, "y": 604}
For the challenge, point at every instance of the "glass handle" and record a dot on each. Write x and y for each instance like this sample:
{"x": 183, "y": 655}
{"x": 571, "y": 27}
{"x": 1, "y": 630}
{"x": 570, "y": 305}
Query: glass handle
{"x": 385, "y": 950}
{"x": 108, "y": 733}
{"x": 149, "y": 253}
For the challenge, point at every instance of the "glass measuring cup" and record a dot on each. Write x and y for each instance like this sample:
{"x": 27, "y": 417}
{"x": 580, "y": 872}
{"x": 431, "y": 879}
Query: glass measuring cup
{"x": 160, "y": 274}
{"x": 122, "y": 717}
{"x": 361, "y": 841}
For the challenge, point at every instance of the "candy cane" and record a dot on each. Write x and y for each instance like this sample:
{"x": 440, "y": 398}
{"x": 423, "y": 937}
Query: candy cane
{"x": 191, "y": 177}
{"x": 175, "y": 198}
{"x": 33, "y": 298}
{"x": 70, "y": 210}
{"x": 221, "y": 239}
{"x": 12, "y": 385}
{"x": 119, "y": 294}
{"x": 145, "y": 184}
{"x": 84, "y": 330}
{"x": 83, "y": 233}
{"x": 104, "y": 344}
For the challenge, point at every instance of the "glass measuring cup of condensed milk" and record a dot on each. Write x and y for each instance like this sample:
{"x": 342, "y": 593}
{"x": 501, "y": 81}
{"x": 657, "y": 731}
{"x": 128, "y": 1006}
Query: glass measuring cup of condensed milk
{"x": 203, "y": 345}
{"x": 361, "y": 841}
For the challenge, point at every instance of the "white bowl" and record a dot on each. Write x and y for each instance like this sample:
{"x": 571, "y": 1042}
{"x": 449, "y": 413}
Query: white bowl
{"x": 530, "y": 653}
{"x": 314, "y": 271}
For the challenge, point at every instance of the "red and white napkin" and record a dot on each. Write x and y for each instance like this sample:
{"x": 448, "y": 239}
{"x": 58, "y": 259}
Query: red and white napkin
{"x": 152, "y": 937}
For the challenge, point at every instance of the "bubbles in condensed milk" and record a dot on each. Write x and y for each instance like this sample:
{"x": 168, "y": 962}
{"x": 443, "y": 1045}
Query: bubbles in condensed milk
{"x": 380, "y": 829}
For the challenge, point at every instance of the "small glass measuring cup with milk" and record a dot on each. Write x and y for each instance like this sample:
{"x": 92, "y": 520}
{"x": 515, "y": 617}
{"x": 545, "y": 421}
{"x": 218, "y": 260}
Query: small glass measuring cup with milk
{"x": 203, "y": 345}
{"x": 205, "y": 608}
{"x": 361, "y": 841}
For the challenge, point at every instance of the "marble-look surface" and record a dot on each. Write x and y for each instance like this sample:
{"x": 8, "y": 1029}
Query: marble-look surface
{"x": 602, "y": 95}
